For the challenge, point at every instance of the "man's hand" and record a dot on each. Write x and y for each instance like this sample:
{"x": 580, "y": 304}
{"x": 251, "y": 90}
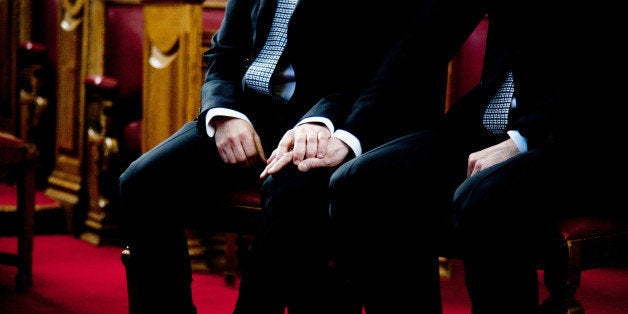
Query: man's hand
{"x": 337, "y": 151}
{"x": 237, "y": 142}
{"x": 491, "y": 156}
{"x": 308, "y": 141}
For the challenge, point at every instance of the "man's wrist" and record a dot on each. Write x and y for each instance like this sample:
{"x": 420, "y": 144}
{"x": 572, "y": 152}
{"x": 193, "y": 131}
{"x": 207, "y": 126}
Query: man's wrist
{"x": 520, "y": 141}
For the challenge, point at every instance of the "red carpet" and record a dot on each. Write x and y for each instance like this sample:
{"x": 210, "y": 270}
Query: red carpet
{"x": 74, "y": 277}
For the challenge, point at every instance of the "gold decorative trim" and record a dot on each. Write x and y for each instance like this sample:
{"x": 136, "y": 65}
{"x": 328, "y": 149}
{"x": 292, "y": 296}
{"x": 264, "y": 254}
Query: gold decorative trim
{"x": 73, "y": 8}
{"x": 132, "y": 2}
{"x": 215, "y": 4}
{"x": 209, "y": 4}
{"x": 72, "y": 15}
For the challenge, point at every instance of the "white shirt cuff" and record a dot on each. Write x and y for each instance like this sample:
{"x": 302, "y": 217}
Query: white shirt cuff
{"x": 520, "y": 141}
{"x": 209, "y": 126}
{"x": 350, "y": 140}
{"x": 322, "y": 120}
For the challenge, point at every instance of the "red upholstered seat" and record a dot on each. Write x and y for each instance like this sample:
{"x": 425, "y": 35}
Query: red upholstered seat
{"x": 132, "y": 138}
{"x": 579, "y": 227}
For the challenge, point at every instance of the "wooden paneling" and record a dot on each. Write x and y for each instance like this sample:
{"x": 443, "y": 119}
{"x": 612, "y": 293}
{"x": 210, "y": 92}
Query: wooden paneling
{"x": 80, "y": 53}
{"x": 172, "y": 80}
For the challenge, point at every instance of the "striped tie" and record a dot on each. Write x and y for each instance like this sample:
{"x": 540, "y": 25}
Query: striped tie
{"x": 496, "y": 113}
{"x": 259, "y": 73}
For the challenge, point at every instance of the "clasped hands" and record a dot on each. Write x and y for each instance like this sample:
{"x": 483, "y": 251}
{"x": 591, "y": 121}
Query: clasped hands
{"x": 307, "y": 146}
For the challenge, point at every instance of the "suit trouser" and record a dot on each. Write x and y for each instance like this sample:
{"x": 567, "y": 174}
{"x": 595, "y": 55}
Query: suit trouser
{"x": 499, "y": 215}
{"x": 384, "y": 205}
{"x": 504, "y": 212}
{"x": 160, "y": 196}
{"x": 293, "y": 253}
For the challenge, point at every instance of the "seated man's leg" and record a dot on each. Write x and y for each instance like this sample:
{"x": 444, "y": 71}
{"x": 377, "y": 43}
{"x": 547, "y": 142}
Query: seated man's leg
{"x": 159, "y": 191}
{"x": 291, "y": 254}
{"x": 386, "y": 206}
{"x": 501, "y": 213}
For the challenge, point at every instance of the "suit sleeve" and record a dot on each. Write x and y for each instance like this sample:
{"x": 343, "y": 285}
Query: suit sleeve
{"x": 226, "y": 60}
{"x": 408, "y": 92}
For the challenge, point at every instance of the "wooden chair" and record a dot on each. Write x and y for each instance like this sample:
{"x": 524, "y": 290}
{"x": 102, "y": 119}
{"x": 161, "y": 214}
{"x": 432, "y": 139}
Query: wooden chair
{"x": 242, "y": 214}
{"x": 17, "y": 164}
{"x": 579, "y": 244}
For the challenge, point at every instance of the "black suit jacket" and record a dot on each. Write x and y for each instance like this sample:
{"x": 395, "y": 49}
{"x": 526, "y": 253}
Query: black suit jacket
{"x": 562, "y": 54}
{"x": 335, "y": 48}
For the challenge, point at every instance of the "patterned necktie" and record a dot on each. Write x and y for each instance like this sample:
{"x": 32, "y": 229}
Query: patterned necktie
{"x": 496, "y": 113}
{"x": 259, "y": 73}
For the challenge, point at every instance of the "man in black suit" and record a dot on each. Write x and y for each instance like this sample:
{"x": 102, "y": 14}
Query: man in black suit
{"x": 503, "y": 187}
{"x": 334, "y": 48}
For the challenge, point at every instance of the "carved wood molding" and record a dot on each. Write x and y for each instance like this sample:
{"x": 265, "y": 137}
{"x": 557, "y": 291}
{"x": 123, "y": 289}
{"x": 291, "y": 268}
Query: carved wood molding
{"x": 101, "y": 162}
{"x": 133, "y": 2}
{"x": 72, "y": 14}
{"x": 66, "y": 180}
{"x": 178, "y": 2}
{"x": 213, "y": 4}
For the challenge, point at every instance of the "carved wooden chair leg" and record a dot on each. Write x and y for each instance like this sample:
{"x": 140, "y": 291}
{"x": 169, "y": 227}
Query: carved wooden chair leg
{"x": 25, "y": 213}
{"x": 581, "y": 243}
{"x": 131, "y": 281}
{"x": 562, "y": 278}
{"x": 18, "y": 162}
